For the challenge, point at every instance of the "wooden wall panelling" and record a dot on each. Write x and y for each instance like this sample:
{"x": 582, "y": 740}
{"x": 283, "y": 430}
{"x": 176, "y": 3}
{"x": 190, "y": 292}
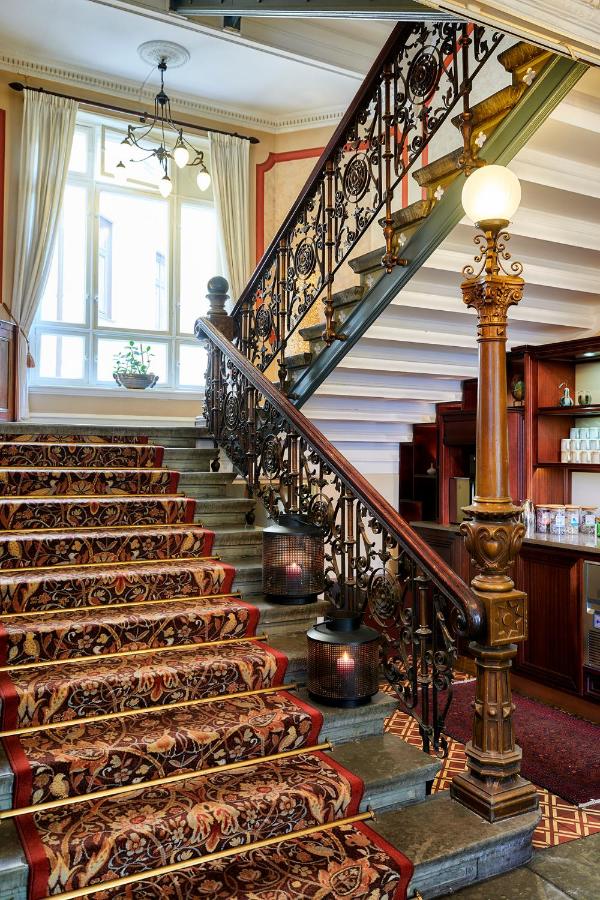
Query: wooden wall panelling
{"x": 552, "y": 653}
{"x": 8, "y": 369}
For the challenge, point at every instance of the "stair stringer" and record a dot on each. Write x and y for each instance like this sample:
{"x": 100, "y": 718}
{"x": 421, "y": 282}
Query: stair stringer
{"x": 553, "y": 83}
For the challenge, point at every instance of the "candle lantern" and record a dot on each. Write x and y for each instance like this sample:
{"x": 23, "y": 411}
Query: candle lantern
{"x": 293, "y": 561}
{"x": 343, "y": 661}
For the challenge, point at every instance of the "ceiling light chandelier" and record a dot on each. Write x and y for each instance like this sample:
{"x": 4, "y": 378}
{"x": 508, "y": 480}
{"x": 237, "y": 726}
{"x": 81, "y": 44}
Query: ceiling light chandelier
{"x": 162, "y": 54}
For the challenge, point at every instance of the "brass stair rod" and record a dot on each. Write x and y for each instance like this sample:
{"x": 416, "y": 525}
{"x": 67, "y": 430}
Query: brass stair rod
{"x": 120, "y": 654}
{"x": 107, "y": 606}
{"x": 210, "y": 857}
{"x": 159, "y": 782}
{"x": 146, "y": 710}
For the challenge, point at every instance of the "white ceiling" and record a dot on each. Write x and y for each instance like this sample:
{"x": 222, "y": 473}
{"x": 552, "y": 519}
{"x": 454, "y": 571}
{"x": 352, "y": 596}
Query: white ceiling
{"x": 276, "y": 70}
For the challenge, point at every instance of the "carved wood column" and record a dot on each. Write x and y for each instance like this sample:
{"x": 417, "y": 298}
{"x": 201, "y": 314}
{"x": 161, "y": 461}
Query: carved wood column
{"x": 492, "y": 785}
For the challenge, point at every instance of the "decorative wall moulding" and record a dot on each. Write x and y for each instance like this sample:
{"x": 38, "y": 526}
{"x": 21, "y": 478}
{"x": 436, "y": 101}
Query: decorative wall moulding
{"x": 202, "y": 108}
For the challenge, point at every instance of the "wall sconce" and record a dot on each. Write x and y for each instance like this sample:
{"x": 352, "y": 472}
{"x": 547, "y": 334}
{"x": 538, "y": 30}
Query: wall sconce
{"x": 343, "y": 661}
{"x": 293, "y": 561}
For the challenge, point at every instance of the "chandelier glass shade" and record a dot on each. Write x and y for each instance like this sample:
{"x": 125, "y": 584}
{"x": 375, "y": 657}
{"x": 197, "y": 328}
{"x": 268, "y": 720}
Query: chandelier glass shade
{"x": 181, "y": 152}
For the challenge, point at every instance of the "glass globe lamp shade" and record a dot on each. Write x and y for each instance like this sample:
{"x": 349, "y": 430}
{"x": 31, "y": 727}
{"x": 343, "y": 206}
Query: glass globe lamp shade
{"x": 203, "y": 180}
{"x": 491, "y": 194}
{"x": 181, "y": 155}
{"x": 165, "y": 186}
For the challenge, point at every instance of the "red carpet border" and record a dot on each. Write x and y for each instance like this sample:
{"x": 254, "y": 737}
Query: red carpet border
{"x": 124, "y": 639}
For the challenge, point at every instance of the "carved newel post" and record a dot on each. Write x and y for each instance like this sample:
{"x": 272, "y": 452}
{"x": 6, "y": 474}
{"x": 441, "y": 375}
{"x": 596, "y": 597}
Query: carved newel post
{"x": 217, "y": 296}
{"x": 491, "y": 785}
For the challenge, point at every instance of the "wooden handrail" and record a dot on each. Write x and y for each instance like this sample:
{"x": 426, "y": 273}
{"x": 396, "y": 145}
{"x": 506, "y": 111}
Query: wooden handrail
{"x": 447, "y": 581}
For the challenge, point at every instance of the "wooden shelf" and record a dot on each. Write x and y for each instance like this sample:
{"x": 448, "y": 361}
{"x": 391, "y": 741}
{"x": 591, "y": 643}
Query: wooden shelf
{"x": 574, "y": 467}
{"x": 574, "y": 411}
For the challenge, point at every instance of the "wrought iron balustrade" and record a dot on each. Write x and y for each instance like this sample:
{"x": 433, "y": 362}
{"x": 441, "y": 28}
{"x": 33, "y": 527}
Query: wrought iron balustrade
{"x": 423, "y": 71}
{"x": 375, "y": 562}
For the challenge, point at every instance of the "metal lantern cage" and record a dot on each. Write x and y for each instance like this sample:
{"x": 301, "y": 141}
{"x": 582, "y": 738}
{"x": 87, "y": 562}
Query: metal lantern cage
{"x": 343, "y": 661}
{"x": 293, "y": 561}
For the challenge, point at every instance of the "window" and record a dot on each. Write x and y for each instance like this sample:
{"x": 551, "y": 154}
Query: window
{"x": 127, "y": 264}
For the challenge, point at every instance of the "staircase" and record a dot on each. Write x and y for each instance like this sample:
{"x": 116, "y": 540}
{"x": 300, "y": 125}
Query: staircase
{"x": 123, "y": 619}
{"x": 421, "y": 347}
{"x": 406, "y": 341}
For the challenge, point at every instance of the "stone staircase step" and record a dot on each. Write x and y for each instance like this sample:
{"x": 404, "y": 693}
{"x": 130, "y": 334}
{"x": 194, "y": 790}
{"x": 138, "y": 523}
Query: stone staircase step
{"x": 409, "y": 217}
{"x": 489, "y": 112}
{"x": 394, "y": 772}
{"x": 293, "y": 644}
{"x": 200, "y": 485}
{"x": 341, "y": 725}
{"x": 165, "y": 436}
{"x": 452, "y": 846}
{"x": 276, "y": 617}
{"x": 518, "y": 58}
{"x": 248, "y": 578}
{"x": 298, "y": 361}
{"x": 439, "y": 172}
{"x": 213, "y": 512}
{"x": 189, "y": 459}
{"x": 242, "y": 542}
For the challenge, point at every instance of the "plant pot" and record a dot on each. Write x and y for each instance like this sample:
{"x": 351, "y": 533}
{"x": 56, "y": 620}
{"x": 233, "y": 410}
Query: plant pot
{"x": 135, "y": 382}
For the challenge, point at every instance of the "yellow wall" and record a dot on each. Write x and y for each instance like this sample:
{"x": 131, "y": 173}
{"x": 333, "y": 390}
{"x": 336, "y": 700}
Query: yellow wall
{"x": 282, "y": 184}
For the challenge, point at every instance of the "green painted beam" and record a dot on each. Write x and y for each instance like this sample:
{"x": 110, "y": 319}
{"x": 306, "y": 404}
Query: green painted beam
{"x": 552, "y": 85}
{"x": 364, "y": 9}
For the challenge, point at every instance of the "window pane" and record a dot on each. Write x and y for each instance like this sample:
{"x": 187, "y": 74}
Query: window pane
{"x": 106, "y": 358}
{"x": 133, "y": 264}
{"x": 62, "y": 356}
{"x": 192, "y": 365}
{"x": 79, "y": 151}
{"x": 140, "y": 168}
{"x": 198, "y": 261}
{"x": 64, "y": 298}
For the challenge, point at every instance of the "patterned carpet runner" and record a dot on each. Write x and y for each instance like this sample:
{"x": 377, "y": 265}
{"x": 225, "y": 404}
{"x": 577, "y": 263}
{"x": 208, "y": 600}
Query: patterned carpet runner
{"x": 142, "y": 714}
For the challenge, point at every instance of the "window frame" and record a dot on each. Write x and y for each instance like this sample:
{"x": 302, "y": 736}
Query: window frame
{"x": 96, "y": 180}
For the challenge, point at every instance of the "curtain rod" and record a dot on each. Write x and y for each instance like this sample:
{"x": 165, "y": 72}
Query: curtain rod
{"x": 19, "y": 86}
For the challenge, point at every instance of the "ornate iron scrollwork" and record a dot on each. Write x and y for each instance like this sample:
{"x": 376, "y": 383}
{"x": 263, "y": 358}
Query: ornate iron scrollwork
{"x": 368, "y": 567}
{"x": 407, "y": 102}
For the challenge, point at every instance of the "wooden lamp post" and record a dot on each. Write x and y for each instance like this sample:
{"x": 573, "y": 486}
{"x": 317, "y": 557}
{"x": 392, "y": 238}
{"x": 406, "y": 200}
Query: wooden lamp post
{"x": 491, "y": 784}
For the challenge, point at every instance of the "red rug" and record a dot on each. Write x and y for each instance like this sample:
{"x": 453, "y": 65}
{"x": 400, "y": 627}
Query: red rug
{"x": 560, "y": 752}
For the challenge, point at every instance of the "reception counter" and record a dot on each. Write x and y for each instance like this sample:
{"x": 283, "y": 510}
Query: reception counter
{"x": 550, "y": 570}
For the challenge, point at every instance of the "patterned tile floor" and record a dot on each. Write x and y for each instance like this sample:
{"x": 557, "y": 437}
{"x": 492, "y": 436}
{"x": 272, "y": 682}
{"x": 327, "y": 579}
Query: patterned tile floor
{"x": 561, "y": 821}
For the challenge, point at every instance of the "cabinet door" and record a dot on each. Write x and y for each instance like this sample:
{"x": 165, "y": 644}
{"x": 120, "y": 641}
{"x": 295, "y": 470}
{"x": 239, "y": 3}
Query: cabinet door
{"x": 552, "y": 652}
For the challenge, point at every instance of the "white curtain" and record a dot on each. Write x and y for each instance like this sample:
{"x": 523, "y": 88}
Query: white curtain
{"x": 47, "y": 137}
{"x": 230, "y": 170}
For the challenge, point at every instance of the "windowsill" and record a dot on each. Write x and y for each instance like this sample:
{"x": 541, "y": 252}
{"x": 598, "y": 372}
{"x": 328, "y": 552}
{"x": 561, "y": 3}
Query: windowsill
{"x": 60, "y": 390}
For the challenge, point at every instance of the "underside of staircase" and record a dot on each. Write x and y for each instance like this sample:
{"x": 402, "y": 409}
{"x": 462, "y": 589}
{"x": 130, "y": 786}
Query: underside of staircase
{"x": 152, "y": 730}
{"x": 408, "y": 338}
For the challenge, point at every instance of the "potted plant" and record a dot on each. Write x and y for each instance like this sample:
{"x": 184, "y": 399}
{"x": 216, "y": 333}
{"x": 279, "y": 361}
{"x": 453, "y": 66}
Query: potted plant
{"x": 131, "y": 367}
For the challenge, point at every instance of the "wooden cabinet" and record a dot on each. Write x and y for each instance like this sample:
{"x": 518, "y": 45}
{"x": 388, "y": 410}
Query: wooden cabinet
{"x": 552, "y": 653}
{"x": 552, "y": 579}
{"x": 8, "y": 371}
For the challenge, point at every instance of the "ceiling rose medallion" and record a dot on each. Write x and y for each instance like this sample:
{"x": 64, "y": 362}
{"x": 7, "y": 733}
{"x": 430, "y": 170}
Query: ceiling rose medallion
{"x": 163, "y": 55}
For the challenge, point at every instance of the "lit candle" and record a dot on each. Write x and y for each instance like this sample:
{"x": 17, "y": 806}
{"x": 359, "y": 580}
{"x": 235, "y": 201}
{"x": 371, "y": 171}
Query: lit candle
{"x": 345, "y": 664}
{"x": 293, "y": 574}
